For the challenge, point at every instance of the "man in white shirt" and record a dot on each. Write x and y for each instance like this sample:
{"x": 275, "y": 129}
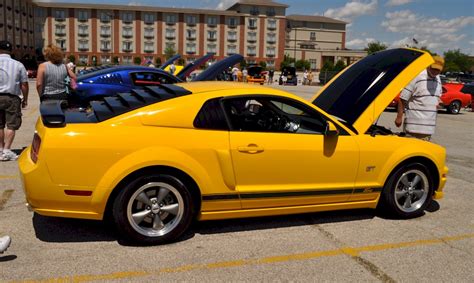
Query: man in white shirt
{"x": 420, "y": 100}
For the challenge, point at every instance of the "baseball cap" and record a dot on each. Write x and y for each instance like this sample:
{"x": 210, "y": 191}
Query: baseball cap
{"x": 438, "y": 64}
{"x": 5, "y": 45}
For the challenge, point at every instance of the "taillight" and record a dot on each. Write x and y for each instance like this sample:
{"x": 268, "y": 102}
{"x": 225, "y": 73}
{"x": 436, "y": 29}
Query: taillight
{"x": 35, "y": 146}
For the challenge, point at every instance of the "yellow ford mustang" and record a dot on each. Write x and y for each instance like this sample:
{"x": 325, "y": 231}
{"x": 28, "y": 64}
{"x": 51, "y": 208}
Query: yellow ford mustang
{"x": 157, "y": 158}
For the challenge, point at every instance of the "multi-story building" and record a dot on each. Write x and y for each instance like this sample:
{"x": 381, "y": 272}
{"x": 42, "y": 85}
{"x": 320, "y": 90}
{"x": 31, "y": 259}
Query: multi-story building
{"x": 17, "y": 26}
{"x": 102, "y": 33}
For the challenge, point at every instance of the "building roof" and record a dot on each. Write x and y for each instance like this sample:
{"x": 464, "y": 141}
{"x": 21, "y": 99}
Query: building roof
{"x": 317, "y": 19}
{"x": 133, "y": 8}
{"x": 258, "y": 3}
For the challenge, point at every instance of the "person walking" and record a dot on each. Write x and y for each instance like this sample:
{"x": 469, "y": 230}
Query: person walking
{"x": 13, "y": 97}
{"x": 244, "y": 75}
{"x": 235, "y": 73}
{"x": 420, "y": 101}
{"x": 172, "y": 68}
{"x": 5, "y": 242}
{"x": 310, "y": 77}
{"x": 305, "y": 77}
{"x": 51, "y": 77}
{"x": 270, "y": 76}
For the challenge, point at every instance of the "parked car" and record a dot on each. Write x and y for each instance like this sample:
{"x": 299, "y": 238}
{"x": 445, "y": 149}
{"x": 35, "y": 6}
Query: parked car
{"x": 157, "y": 158}
{"x": 256, "y": 74}
{"x": 452, "y": 97}
{"x": 290, "y": 74}
{"x": 109, "y": 80}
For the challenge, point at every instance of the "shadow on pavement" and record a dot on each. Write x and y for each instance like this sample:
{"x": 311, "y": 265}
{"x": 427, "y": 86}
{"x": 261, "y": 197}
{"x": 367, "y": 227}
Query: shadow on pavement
{"x": 7, "y": 258}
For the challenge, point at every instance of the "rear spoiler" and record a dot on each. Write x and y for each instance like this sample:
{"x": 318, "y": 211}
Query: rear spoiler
{"x": 215, "y": 69}
{"x": 52, "y": 113}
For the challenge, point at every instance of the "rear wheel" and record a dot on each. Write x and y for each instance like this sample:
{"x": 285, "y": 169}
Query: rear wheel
{"x": 408, "y": 191}
{"x": 153, "y": 209}
{"x": 454, "y": 107}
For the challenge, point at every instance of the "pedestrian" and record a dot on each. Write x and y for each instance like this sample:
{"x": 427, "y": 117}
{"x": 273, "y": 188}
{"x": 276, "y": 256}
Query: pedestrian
{"x": 244, "y": 75}
{"x": 270, "y": 76}
{"x": 235, "y": 74}
{"x": 420, "y": 101}
{"x": 52, "y": 75}
{"x": 172, "y": 68}
{"x": 310, "y": 77}
{"x": 4, "y": 243}
{"x": 305, "y": 77}
{"x": 13, "y": 97}
{"x": 71, "y": 65}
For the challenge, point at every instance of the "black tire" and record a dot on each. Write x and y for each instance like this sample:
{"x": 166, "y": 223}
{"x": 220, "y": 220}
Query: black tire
{"x": 160, "y": 216}
{"x": 454, "y": 107}
{"x": 405, "y": 195}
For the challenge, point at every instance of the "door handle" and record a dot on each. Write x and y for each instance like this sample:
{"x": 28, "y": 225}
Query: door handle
{"x": 251, "y": 148}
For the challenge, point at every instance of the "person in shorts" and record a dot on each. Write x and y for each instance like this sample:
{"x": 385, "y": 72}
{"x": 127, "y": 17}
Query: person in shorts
{"x": 13, "y": 97}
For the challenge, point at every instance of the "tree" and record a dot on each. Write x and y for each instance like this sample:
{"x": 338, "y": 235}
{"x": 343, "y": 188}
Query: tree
{"x": 302, "y": 65}
{"x": 287, "y": 61}
{"x": 263, "y": 64}
{"x": 456, "y": 61}
{"x": 169, "y": 52}
{"x": 340, "y": 65}
{"x": 115, "y": 60}
{"x": 72, "y": 59}
{"x": 243, "y": 64}
{"x": 375, "y": 46}
{"x": 158, "y": 61}
{"x": 137, "y": 60}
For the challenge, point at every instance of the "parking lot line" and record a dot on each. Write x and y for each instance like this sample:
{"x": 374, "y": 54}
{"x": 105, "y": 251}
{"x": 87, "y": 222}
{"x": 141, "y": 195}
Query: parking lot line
{"x": 9, "y": 177}
{"x": 351, "y": 251}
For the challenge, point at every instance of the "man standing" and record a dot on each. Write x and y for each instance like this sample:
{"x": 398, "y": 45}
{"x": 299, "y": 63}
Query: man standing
{"x": 420, "y": 100}
{"x": 270, "y": 76}
{"x": 13, "y": 82}
{"x": 172, "y": 68}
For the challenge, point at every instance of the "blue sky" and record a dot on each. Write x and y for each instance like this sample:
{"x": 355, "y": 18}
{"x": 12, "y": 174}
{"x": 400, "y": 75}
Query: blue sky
{"x": 438, "y": 24}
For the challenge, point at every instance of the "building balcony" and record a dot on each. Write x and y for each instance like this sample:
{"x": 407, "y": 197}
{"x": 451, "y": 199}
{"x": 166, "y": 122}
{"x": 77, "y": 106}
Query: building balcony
{"x": 232, "y": 39}
{"x": 251, "y": 40}
{"x": 271, "y": 41}
{"x": 149, "y": 50}
{"x": 231, "y": 52}
{"x": 170, "y": 36}
{"x": 83, "y": 20}
{"x": 271, "y": 27}
{"x": 104, "y": 20}
{"x": 105, "y": 34}
{"x": 191, "y": 24}
{"x": 190, "y": 51}
{"x": 105, "y": 49}
{"x": 127, "y": 49}
{"x": 83, "y": 48}
{"x": 191, "y": 37}
{"x": 170, "y": 23}
{"x": 60, "y": 19}
{"x": 252, "y": 26}
{"x": 211, "y": 38}
{"x": 60, "y": 33}
{"x": 251, "y": 53}
{"x": 149, "y": 22}
{"x": 83, "y": 33}
{"x": 149, "y": 36}
{"x": 126, "y": 35}
{"x": 232, "y": 26}
{"x": 270, "y": 54}
{"x": 127, "y": 21}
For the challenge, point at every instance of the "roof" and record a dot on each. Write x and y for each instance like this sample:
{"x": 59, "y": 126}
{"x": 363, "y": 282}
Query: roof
{"x": 317, "y": 19}
{"x": 259, "y": 3}
{"x": 132, "y": 8}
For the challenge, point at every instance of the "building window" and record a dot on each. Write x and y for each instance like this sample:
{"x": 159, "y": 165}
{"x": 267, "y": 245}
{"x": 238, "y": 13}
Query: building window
{"x": 232, "y": 36}
{"x": 313, "y": 63}
{"x": 270, "y": 51}
{"x": 251, "y": 51}
{"x": 231, "y": 49}
{"x": 170, "y": 33}
{"x": 83, "y": 30}
{"x": 190, "y": 34}
{"x": 170, "y": 19}
{"x": 127, "y": 17}
{"x": 272, "y": 24}
{"x": 60, "y": 30}
{"x": 105, "y": 17}
{"x": 191, "y": 20}
{"x": 149, "y": 32}
{"x": 61, "y": 43}
{"x": 191, "y": 48}
{"x": 254, "y": 11}
{"x": 105, "y": 59}
{"x": 149, "y": 18}
{"x": 149, "y": 47}
{"x": 271, "y": 12}
{"x": 83, "y": 16}
{"x": 105, "y": 45}
{"x": 84, "y": 59}
{"x": 211, "y": 35}
{"x": 127, "y": 60}
{"x": 252, "y": 23}
{"x": 271, "y": 38}
{"x": 232, "y": 22}
{"x": 312, "y": 36}
{"x": 60, "y": 15}
{"x": 252, "y": 36}
{"x": 83, "y": 45}
{"x": 127, "y": 46}
{"x": 127, "y": 32}
{"x": 211, "y": 48}
{"x": 105, "y": 31}
{"x": 212, "y": 21}
{"x": 271, "y": 63}
{"x": 170, "y": 45}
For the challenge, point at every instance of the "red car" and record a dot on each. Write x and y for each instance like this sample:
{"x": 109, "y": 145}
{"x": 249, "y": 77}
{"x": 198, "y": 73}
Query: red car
{"x": 453, "y": 99}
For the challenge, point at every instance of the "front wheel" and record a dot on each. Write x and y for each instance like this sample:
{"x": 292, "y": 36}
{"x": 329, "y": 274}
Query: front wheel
{"x": 408, "y": 191}
{"x": 153, "y": 209}
{"x": 454, "y": 107}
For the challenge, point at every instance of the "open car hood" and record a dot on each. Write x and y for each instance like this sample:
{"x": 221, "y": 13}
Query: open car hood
{"x": 217, "y": 68}
{"x": 361, "y": 92}
{"x": 189, "y": 68}
{"x": 169, "y": 61}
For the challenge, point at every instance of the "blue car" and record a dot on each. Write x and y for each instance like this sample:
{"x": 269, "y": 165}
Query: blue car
{"x": 107, "y": 80}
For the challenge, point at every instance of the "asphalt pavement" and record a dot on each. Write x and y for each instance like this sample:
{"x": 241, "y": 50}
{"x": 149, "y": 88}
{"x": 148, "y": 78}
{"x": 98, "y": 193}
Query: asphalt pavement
{"x": 343, "y": 246}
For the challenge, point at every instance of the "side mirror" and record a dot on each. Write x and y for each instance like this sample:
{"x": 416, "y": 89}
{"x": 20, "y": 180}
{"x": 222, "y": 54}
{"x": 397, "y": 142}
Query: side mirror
{"x": 331, "y": 130}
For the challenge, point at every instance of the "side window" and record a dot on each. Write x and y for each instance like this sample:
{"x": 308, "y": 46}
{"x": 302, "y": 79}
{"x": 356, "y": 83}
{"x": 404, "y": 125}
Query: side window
{"x": 149, "y": 78}
{"x": 211, "y": 116}
{"x": 271, "y": 114}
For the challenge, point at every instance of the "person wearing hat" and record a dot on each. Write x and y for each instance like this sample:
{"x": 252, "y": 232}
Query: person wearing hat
{"x": 420, "y": 100}
{"x": 13, "y": 83}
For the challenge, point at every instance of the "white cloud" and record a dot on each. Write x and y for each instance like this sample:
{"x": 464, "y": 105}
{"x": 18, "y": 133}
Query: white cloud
{"x": 359, "y": 43}
{"x": 224, "y": 4}
{"x": 352, "y": 10}
{"x": 398, "y": 2}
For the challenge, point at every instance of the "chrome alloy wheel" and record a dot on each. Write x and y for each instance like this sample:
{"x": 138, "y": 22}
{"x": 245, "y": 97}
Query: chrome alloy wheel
{"x": 411, "y": 190}
{"x": 155, "y": 209}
